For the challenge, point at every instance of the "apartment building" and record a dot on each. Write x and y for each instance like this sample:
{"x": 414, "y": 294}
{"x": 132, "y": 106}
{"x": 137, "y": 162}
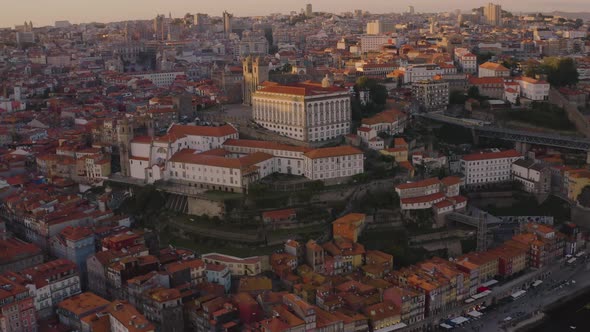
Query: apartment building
{"x": 420, "y": 72}
{"x": 17, "y": 307}
{"x": 466, "y": 60}
{"x": 73, "y": 310}
{"x": 431, "y": 95}
{"x": 488, "y": 167}
{"x": 51, "y": 283}
{"x": 250, "y": 266}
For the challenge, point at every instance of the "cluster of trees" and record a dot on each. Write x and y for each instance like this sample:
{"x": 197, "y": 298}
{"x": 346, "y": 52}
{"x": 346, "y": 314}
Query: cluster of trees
{"x": 559, "y": 71}
{"x": 377, "y": 91}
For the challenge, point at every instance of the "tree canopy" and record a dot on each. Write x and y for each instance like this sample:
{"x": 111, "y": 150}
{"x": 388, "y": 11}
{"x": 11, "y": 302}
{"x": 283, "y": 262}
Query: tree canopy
{"x": 560, "y": 71}
{"x": 378, "y": 92}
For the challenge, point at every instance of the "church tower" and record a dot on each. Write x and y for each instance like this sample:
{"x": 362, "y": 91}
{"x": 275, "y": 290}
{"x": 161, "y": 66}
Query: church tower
{"x": 124, "y": 137}
{"x": 255, "y": 72}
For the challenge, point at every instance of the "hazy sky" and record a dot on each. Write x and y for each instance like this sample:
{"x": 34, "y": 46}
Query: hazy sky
{"x": 46, "y": 12}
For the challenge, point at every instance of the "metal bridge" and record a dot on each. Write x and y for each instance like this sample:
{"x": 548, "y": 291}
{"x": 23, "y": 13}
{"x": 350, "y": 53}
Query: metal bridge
{"x": 480, "y": 128}
{"x": 479, "y": 219}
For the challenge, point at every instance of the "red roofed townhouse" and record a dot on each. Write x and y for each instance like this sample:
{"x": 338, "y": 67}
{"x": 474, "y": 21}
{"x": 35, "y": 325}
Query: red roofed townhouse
{"x": 75, "y": 244}
{"x": 16, "y": 255}
{"x": 72, "y": 310}
{"x": 51, "y": 283}
{"x": 348, "y": 226}
{"x": 384, "y": 316}
{"x": 163, "y": 307}
{"x": 309, "y": 112}
{"x": 124, "y": 317}
{"x": 301, "y": 309}
{"x": 249, "y": 266}
{"x": 315, "y": 256}
{"x": 488, "y": 167}
{"x": 17, "y": 309}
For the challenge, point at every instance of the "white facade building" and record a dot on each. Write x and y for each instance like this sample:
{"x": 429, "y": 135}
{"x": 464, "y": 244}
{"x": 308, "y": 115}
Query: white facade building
{"x": 533, "y": 89}
{"x": 534, "y": 177}
{"x": 308, "y": 112}
{"x": 334, "y": 162}
{"x": 51, "y": 283}
{"x": 432, "y": 94}
{"x": 466, "y": 60}
{"x": 160, "y": 79}
{"x": 488, "y": 167}
{"x": 371, "y": 43}
{"x": 420, "y": 72}
{"x": 148, "y": 156}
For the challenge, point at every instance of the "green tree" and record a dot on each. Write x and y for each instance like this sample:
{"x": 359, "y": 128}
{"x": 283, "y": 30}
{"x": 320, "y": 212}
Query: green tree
{"x": 473, "y": 92}
{"x": 560, "y": 71}
{"x": 378, "y": 92}
{"x": 484, "y": 57}
{"x": 457, "y": 97}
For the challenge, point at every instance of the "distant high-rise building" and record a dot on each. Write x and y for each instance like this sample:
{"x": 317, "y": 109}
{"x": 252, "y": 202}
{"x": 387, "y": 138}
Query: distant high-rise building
{"x": 308, "y": 10}
{"x": 377, "y": 27}
{"x": 160, "y": 29}
{"x": 493, "y": 14}
{"x": 227, "y": 27}
{"x": 411, "y": 10}
{"x": 358, "y": 13}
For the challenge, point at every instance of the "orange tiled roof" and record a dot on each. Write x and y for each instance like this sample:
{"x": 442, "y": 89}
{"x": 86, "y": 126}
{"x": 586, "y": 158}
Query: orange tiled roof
{"x": 492, "y": 155}
{"x": 337, "y": 151}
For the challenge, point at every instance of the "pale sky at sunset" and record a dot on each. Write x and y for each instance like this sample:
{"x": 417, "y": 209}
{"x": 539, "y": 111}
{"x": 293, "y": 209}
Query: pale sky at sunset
{"x": 46, "y": 12}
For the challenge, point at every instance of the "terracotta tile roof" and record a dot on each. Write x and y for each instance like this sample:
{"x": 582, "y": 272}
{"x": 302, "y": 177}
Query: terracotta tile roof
{"x": 83, "y": 304}
{"x": 189, "y": 156}
{"x": 443, "y": 204}
{"x": 419, "y": 184}
{"x": 337, "y": 151}
{"x": 423, "y": 199}
{"x": 451, "y": 180}
{"x": 264, "y": 145}
{"x": 493, "y": 66}
{"x": 301, "y": 89}
{"x": 492, "y": 155}
{"x": 189, "y": 130}
{"x": 486, "y": 80}
{"x": 530, "y": 80}
{"x": 278, "y": 214}
{"x": 76, "y": 233}
{"x": 389, "y": 116}
{"x": 129, "y": 317}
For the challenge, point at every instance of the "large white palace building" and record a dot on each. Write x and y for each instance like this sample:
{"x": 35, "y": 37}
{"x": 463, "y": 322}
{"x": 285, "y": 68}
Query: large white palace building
{"x": 307, "y": 111}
